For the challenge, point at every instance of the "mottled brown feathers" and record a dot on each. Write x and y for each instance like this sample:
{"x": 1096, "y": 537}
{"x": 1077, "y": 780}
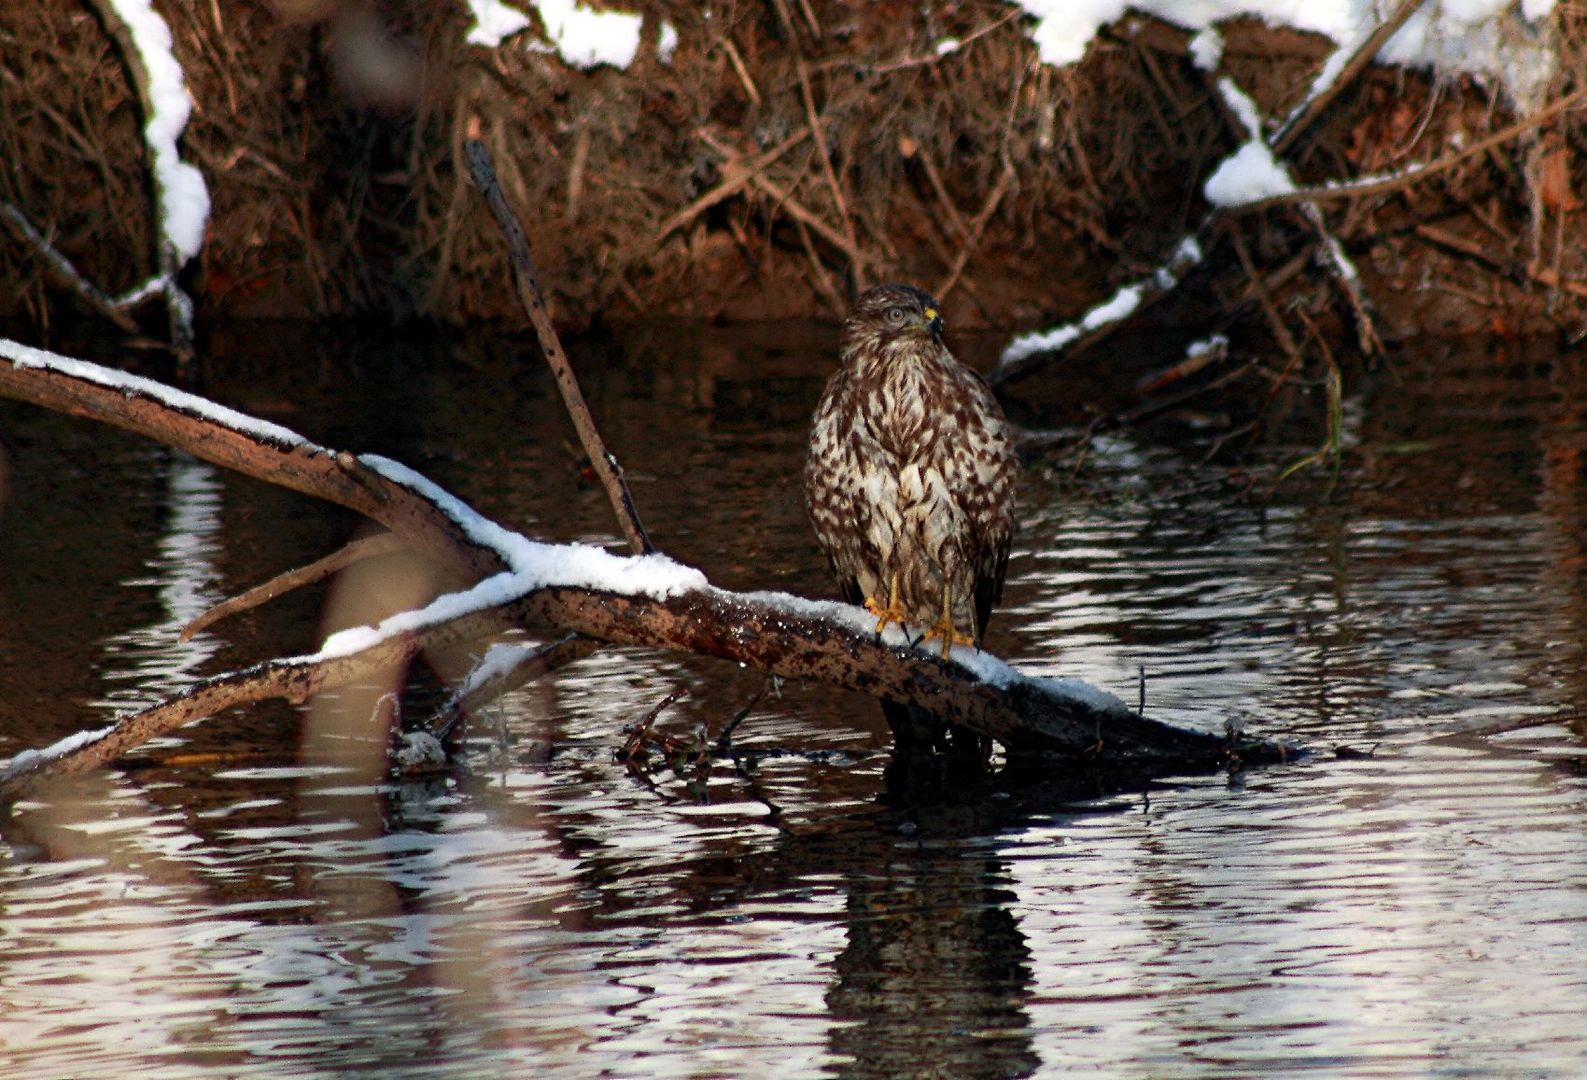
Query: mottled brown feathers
{"x": 911, "y": 468}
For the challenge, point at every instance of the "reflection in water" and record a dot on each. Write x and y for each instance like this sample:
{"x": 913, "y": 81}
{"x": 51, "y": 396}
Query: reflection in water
{"x": 286, "y": 910}
{"x": 935, "y": 963}
{"x": 145, "y": 664}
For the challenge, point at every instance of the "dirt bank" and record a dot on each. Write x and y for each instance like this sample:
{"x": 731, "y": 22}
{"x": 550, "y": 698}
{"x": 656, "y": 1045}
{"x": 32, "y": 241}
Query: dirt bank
{"x": 694, "y": 182}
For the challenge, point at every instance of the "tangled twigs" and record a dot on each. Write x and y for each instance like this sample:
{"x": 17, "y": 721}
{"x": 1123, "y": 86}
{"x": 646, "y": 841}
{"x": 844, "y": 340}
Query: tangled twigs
{"x": 640, "y": 734}
{"x": 64, "y": 272}
{"x": 736, "y": 174}
{"x": 812, "y": 118}
{"x": 1382, "y": 185}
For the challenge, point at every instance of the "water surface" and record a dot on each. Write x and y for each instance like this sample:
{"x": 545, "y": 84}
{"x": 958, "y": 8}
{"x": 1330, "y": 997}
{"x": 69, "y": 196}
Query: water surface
{"x": 250, "y": 898}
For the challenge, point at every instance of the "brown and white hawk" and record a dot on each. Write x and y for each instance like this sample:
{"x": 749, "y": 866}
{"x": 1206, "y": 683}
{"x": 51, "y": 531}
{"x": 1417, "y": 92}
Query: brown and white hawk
{"x": 910, "y": 478}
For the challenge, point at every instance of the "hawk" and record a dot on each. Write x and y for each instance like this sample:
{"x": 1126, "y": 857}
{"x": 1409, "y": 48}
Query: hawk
{"x": 910, "y": 479}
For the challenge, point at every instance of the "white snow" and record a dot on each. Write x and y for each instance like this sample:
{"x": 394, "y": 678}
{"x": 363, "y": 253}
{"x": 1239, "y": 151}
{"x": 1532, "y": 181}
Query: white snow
{"x": 1249, "y": 174}
{"x": 538, "y": 564}
{"x": 1120, "y": 306}
{"x": 1478, "y": 37}
{"x": 1185, "y": 256}
{"x": 493, "y": 21}
{"x": 26, "y": 356}
{"x": 1244, "y": 109}
{"x": 533, "y": 565}
{"x": 29, "y": 760}
{"x": 184, "y": 199}
{"x": 1206, "y": 49}
{"x": 584, "y": 37}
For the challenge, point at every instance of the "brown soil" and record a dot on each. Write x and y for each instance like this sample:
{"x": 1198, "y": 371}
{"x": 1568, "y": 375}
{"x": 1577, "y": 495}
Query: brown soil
{"x": 331, "y": 138}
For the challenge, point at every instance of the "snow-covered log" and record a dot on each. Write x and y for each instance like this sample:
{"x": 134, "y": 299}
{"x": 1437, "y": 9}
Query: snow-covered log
{"x": 520, "y": 583}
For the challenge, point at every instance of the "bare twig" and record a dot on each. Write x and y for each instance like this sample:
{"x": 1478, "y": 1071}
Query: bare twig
{"x": 604, "y": 464}
{"x": 368, "y": 547}
{"x": 1281, "y": 332}
{"x": 725, "y": 739}
{"x": 1314, "y": 106}
{"x": 738, "y": 67}
{"x": 913, "y": 151}
{"x": 65, "y": 272}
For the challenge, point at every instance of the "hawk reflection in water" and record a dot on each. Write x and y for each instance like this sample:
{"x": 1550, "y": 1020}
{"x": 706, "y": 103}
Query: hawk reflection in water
{"x": 910, "y": 479}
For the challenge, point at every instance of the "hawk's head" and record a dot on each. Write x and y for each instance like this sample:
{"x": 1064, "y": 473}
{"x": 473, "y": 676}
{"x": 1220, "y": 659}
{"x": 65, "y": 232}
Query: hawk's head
{"x": 890, "y": 315}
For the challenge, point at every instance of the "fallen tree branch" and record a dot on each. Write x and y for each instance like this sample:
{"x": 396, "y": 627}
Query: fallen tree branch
{"x": 640, "y": 600}
{"x": 240, "y": 443}
{"x": 824, "y": 642}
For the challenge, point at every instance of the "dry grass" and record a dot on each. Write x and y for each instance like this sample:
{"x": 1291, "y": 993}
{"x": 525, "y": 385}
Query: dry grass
{"x": 332, "y": 137}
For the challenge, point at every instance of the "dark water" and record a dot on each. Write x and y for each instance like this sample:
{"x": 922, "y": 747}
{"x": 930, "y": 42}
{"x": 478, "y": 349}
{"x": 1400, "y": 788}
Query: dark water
{"x": 250, "y": 899}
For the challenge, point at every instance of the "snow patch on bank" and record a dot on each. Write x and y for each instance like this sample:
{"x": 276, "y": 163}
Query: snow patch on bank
{"x": 581, "y": 36}
{"x": 1490, "y": 39}
{"x": 183, "y": 196}
{"x": 493, "y": 22}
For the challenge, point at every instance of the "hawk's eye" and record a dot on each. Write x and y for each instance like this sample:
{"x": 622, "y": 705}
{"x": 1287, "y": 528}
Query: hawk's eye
{"x": 896, "y": 315}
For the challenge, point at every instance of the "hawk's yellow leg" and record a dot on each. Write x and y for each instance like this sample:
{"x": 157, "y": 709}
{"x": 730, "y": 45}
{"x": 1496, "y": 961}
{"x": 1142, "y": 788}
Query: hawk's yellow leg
{"x": 944, "y": 627}
{"x": 893, "y": 612}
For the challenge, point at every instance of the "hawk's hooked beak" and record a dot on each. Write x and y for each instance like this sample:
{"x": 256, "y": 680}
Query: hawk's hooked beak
{"x": 933, "y": 322}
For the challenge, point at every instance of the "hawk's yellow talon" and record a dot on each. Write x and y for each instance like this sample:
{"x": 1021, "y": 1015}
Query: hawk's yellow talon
{"x": 893, "y": 612}
{"x": 944, "y": 627}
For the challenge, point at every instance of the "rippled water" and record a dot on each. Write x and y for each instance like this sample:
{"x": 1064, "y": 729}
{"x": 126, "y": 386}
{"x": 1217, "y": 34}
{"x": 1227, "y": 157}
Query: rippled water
{"x": 252, "y": 898}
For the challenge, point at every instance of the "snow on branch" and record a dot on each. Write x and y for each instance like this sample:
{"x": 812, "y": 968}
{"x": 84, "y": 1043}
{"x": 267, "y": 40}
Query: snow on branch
{"x": 1251, "y": 177}
{"x": 181, "y": 197}
{"x": 1029, "y": 351}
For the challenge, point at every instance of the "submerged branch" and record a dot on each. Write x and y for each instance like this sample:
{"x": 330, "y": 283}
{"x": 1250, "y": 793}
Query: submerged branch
{"x": 826, "y": 643}
{"x": 367, "y": 548}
